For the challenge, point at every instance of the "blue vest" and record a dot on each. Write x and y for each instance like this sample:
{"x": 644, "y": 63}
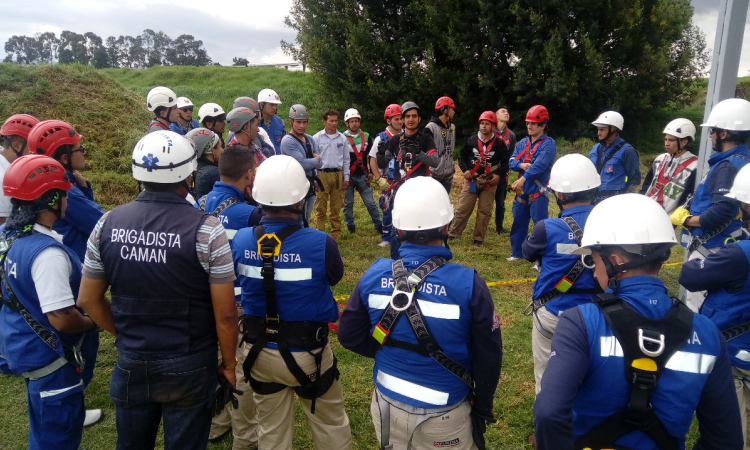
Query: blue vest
{"x": 605, "y": 390}
{"x": 613, "y": 175}
{"x": 233, "y": 218}
{"x": 392, "y": 163}
{"x": 161, "y": 300}
{"x": 176, "y": 127}
{"x": 275, "y": 132}
{"x": 444, "y": 299}
{"x": 557, "y": 260}
{"x": 80, "y": 218}
{"x": 302, "y": 289}
{"x": 22, "y": 348}
{"x": 727, "y": 310}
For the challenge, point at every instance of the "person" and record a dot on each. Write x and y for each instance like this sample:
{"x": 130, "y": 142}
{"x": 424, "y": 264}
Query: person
{"x": 264, "y": 141}
{"x": 14, "y": 134}
{"x": 443, "y": 132}
{"x": 334, "y": 173}
{"x": 209, "y": 154}
{"x": 630, "y": 369}
{"x": 162, "y": 102}
{"x": 532, "y": 158}
{"x": 303, "y": 148}
{"x": 509, "y": 137}
{"x": 484, "y": 162}
{"x": 43, "y": 336}
{"x": 415, "y": 154}
{"x": 288, "y": 304}
{"x": 565, "y": 280}
{"x": 359, "y": 143}
{"x": 60, "y": 140}
{"x": 438, "y": 392}
{"x": 712, "y": 220}
{"x": 383, "y": 178}
{"x": 226, "y": 201}
{"x": 167, "y": 324}
{"x": 671, "y": 178}
{"x": 243, "y": 125}
{"x": 615, "y": 160}
{"x": 213, "y": 117}
{"x": 185, "y": 121}
{"x": 269, "y": 101}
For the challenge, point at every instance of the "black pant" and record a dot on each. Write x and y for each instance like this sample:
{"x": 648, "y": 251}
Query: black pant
{"x": 500, "y": 194}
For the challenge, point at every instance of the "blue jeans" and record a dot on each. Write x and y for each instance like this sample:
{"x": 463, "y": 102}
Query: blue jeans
{"x": 146, "y": 389}
{"x": 387, "y": 222}
{"x": 522, "y": 213}
{"x": 395, "y": 245}
{"x": 307, "y": 209}
{"x": 365, "y": 191}
{"x": 447, "y": 183}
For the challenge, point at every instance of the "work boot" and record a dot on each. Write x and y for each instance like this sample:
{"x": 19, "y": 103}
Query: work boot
{"x": 536, "y": 267}
{"x": 93, "y": 416}
{"x": 501, "y": 230}
{"x": 532, "y": 440}
{"x": 352, "y": 228}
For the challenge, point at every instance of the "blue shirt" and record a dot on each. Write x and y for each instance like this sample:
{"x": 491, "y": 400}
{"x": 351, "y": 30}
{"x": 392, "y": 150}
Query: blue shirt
{"x": 292, "y": 146}
{"x": 541, "y": 163}
{"x": 333, "y": 150}
{"x": 621, "y": 170}
{"x": 80, "y": 218}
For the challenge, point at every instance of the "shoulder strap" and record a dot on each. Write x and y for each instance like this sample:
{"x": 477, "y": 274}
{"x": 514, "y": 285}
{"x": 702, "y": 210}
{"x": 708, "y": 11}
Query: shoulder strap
{"x": 601, "y": 161}
{"x": 224, "y": 205}
{"x": 202, "y": 203}
{"x": 269, "y": 245}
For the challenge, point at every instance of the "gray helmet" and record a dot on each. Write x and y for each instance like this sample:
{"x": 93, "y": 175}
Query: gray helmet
{"x": 246, "y": 102}
{"x": 203, "y": 139}
{"x": 410, "y": 105}
{"x": 238, "y": 117}
{"x": 299, "y": 112}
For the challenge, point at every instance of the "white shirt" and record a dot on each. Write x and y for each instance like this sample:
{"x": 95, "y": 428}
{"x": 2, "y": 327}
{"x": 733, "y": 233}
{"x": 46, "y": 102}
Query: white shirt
{"x": 51, "y": 271}
{"x": 264, "y": 135}
{"x": 4, "y": 201}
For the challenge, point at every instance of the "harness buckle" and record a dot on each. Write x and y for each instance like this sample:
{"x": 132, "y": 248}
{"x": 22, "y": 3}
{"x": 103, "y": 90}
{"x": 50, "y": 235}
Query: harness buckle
{"x": 644, "y": 340}
{"x": 400, "y": 300}
{"x": 273, "y": 320}
{"x": 269, "y": 245}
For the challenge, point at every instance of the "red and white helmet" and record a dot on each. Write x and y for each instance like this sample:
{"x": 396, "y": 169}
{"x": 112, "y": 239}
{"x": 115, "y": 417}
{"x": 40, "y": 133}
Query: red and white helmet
{"x": 183, "y": 102}
{"x": 351, "y": 113}
{"x": 268, "y": 96}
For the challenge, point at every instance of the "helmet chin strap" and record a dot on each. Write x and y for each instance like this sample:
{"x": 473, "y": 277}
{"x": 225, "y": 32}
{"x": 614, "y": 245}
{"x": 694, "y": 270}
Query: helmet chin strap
{"x": 609, "y": 133}
{"x": 613, "y": 270}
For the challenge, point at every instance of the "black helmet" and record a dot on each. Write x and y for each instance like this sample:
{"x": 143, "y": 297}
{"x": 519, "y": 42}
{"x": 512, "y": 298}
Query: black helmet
{"x": 410, "y": 105}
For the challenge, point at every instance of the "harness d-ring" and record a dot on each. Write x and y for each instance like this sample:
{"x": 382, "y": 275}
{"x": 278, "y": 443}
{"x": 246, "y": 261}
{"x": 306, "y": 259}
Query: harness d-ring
{"x": 400, "y": 295}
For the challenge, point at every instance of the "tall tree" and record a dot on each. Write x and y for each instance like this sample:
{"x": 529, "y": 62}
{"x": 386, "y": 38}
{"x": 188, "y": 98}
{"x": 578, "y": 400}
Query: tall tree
{"x": 186, "y": 51}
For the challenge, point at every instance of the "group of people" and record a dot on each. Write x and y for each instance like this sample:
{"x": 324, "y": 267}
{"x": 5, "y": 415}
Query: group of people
{"x": 216, "y": 252}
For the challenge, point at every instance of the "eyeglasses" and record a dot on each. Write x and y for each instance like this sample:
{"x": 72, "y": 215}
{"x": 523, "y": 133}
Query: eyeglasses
{"x": 187, "y": 109}
{"x": 81, "y": 149}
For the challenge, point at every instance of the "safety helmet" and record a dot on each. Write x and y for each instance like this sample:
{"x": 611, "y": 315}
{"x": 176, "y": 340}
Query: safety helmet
{"x": 31, "y": 176}
{"x": 210, "y": 110}
{"x": 392, "y": 110}
{"x": 163, "y": 157}
{"x": 268, "y": 96}
{"x": 350, "y": 114}
{"x": 18, "y": 125}
{"x": 406, "y": 107}
{"x": 741, "y": 187}
{"x": 681, "y": 129}
{"x": 609, "y": 118}
{"x": 488, "y": 115}
{"x": 183, "y": 102}
{"x": 732, "y": 114}
{"x": 238, "y": 117}
{"x": 160, "y": 96}
{"x": 280, "y": 181}
{"x": 537, "y": 114}
{"x": 246, "y": 102}
{"x": 49, "y": 135}
{"x": 421, "y": 204}
{"x": 298, "y": 112}
{"x": 444, "y": 101}
{"x": 203, "y": 139}
{"x": 573, "y": 173}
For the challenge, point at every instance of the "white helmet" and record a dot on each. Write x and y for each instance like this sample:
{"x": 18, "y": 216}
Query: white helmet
{"x": 268, "y": 96}
{"x": 681, "y": 129}
{"x": 183, "y": 102}
{"x": 573, "y": 173}
{"x": 280, "y": 181}
{"x": 732, "y": 114}
{"x": 741, "y": 187}
{"x": 421, "y": 204}
{"x": 629, "y": 221}
{"x": 351, "y": 113}
{"x": 160, "y": 96}
{"x": 209, "y": 110}
{"x": 163, "y": 157}
{"x": 608, "y": 118}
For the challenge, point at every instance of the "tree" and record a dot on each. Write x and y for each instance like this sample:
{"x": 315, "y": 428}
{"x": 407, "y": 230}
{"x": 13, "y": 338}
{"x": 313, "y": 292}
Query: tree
{"x": 186, "y": 51}
{"x": 240, "y": 62}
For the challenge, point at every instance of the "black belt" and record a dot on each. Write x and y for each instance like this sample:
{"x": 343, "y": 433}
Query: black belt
{"x": 330, "y": 170}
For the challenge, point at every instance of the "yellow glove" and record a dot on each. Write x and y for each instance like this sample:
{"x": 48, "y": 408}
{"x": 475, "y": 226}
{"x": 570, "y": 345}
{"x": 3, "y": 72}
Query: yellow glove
{"x": 679, "y": 216}
{"x": 382, "y": 183}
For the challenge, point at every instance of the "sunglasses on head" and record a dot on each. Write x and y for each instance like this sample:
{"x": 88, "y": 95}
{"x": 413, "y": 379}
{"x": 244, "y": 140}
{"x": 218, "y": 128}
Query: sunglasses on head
{"x": 187, "y": 109}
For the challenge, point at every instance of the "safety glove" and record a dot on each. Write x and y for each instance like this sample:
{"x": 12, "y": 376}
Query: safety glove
{"x": 224, "y": 394}
{"x": 679, "y": 216}
{"x": 382, "y": 183}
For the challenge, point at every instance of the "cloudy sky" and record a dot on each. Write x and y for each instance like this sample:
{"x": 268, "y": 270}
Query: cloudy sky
{"x": 248, "y": 28}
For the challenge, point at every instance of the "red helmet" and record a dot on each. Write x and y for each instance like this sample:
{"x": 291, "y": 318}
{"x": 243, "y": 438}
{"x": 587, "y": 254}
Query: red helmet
{"x": 488, "y": 115}
{"x": 537, "y": 114}
{"x": 18, "y": 125}
{"x": 31, "y": 176}
{"x": 47, "y": 136}
{"x": 444, "y": 101}
{"x": 392, "y": 110}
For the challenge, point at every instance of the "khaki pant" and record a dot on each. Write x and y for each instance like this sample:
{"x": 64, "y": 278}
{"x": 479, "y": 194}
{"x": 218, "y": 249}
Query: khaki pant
{"x": 694, "y": 300}
{"x": 541, "y": 346}
{"x": 242, "y": 420}
{"x": 743, "y": 397}
{"x": 333, "y": 197}
{"x": 450, "y": 430}
{"x": 329, "y": 425}
{"x": 466, "y": 204}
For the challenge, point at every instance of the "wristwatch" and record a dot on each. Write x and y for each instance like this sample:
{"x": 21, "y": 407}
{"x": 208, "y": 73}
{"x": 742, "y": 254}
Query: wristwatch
{"x": 232, "y": 366}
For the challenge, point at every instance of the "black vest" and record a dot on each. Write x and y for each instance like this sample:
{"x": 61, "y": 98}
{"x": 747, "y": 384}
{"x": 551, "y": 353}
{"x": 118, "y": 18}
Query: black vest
{"x": 161, "y": 300}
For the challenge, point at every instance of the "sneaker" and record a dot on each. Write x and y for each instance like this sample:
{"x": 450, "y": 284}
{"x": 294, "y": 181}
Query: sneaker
{"x": 477, "y": 243}
{"x": 93, "y": 416}
{"x": 536, "y": 267}
{"x": 352, "y": 228}
{"x": 512, "y": 258}
{"x": 384, "y": 244}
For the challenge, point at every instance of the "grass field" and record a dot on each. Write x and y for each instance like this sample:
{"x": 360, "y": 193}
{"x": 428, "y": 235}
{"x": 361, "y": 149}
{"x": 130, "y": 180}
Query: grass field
{"x": 108, "y": 108}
